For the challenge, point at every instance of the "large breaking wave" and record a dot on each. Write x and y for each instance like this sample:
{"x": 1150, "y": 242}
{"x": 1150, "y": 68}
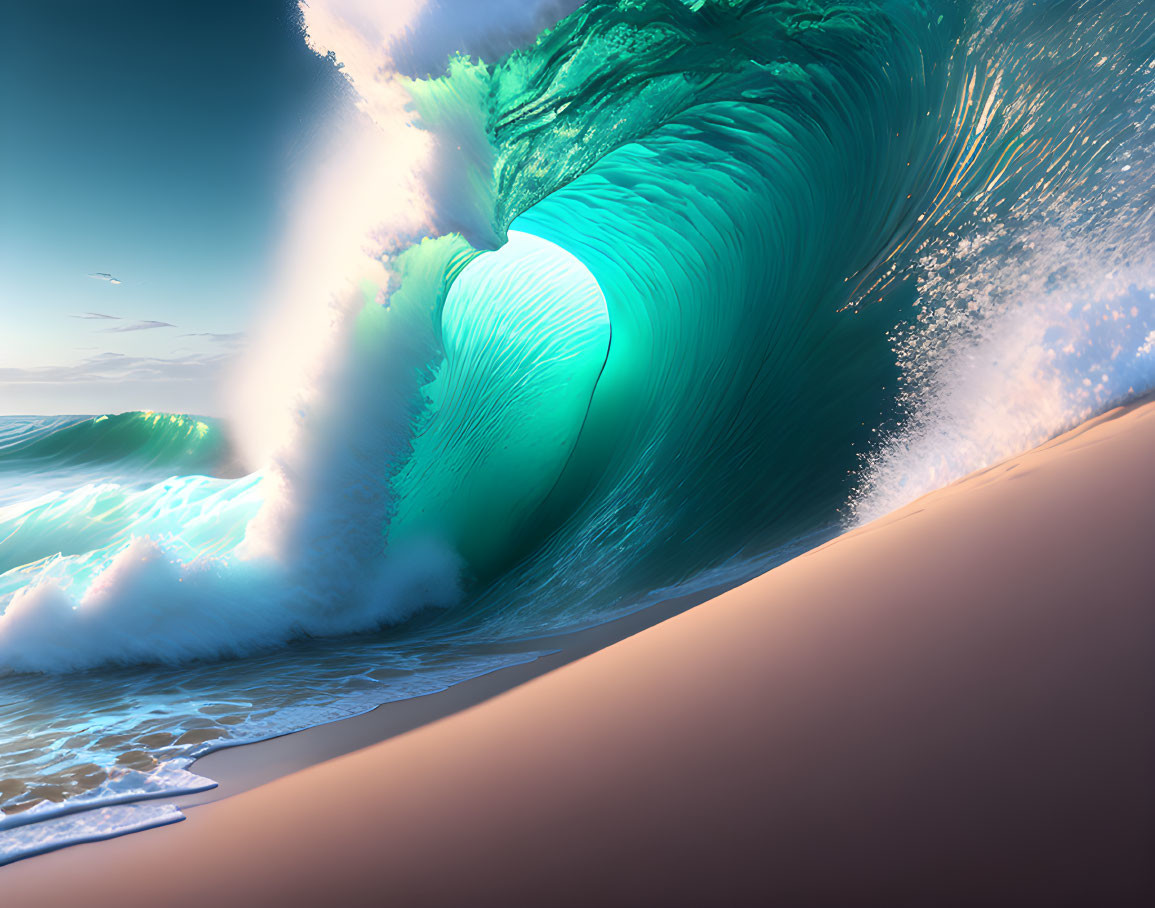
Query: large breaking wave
{"x": 676, "y": 281}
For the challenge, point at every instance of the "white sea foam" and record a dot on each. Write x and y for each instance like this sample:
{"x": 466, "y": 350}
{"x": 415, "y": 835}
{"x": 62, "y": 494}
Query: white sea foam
{"x": 382, "y": 182}
{"x": 101, "y": 812}
{"x": 94, "y": 825}
{"x": 1019, "y": 357}
{"x": 147, "y": 605}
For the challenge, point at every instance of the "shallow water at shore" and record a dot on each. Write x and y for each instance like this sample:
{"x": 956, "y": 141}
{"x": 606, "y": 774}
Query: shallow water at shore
{"x": 70, "y": 746}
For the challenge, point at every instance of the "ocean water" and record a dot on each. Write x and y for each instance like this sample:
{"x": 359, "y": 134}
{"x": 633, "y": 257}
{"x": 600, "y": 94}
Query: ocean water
{"x": 643, "y": 306}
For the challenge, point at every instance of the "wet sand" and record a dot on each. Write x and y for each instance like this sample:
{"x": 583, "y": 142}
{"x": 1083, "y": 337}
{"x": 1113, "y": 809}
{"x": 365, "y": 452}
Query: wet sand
{"x": 954, "y": 705}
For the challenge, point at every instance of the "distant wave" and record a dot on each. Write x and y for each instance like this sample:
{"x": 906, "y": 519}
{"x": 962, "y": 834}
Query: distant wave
{"x": 184, "y": 444}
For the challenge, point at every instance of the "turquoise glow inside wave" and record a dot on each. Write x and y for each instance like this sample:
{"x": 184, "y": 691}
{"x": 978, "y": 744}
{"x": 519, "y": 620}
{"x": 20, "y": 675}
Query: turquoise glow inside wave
{"x": 526, "y": 334}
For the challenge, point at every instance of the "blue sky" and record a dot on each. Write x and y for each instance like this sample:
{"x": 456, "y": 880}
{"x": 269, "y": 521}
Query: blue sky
{"x": 155, "y": 143}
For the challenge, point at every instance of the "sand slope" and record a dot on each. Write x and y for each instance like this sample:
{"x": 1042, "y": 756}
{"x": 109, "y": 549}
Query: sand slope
{"x": 952, "y": 706}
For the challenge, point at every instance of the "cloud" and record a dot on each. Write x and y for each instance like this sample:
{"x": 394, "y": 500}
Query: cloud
{"x": 138, "y": 326}
{"x": 117, "y": 367}
{"x": 228, "y": 340}
{"x": 105, "y": 276}
{"x": 144, "y": 325}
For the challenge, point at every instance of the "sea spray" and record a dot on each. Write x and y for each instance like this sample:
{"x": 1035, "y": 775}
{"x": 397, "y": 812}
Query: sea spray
{"x": 1034, "y": 289}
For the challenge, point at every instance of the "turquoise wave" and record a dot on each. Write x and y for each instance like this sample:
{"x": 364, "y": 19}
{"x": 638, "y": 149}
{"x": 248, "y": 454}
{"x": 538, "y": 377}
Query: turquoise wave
{"x": 751, "y": 186}
{"x": 722, "y": 171}
{"x": 657, "y": 331}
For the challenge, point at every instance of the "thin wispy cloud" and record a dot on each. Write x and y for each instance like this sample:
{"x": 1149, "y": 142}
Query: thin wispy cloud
{"x": 225, "y": 339}
{"x": 117, "y": 367}
{"x": 105, "y": 276}
{"x": 97, "y": 315}
{"x": 137, "y": 326}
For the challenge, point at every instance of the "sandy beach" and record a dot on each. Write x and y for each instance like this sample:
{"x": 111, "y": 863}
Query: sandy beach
{"x": 950, "y": 706}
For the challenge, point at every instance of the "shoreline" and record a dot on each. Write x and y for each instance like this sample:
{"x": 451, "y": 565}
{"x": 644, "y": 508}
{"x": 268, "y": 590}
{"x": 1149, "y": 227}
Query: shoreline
{"x": 237, "y": 768}
{"x": 950, "y": 705}
{"x": 244, "y": 766}
{"x": 231, "y": 768}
